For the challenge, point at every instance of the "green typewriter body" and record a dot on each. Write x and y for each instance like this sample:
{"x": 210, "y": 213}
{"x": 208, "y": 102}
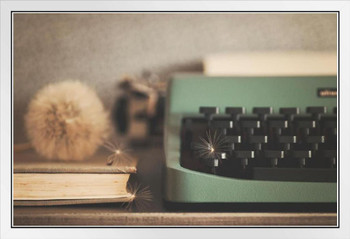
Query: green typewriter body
{"x": 251, "y": 140}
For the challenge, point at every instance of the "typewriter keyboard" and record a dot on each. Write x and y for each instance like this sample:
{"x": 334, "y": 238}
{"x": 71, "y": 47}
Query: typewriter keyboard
{"x": 264, "y": 145}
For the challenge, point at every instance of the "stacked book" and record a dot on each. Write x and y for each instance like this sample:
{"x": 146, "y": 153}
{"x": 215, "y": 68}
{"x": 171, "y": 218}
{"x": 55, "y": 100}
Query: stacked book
{"x": 38, "y": 182}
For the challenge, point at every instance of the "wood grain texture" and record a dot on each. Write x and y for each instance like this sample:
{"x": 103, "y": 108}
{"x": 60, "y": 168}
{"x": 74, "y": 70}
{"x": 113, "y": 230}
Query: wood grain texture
{"x": 126, "y": 198}
{"x": 71, "y": 217}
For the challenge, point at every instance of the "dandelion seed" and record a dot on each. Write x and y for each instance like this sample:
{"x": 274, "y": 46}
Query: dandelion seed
{"x": 212, "y": 145}
{"x": 141, "y": 197}
{"x": 120, "y": 154}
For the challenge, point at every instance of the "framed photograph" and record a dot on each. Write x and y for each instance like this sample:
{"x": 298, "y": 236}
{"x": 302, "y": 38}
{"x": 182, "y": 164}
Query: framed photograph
{"x": 153, "y": 119}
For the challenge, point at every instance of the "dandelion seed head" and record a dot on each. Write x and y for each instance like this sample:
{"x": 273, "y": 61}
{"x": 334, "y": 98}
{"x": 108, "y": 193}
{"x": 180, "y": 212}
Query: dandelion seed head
{"x": 66, "y": 121}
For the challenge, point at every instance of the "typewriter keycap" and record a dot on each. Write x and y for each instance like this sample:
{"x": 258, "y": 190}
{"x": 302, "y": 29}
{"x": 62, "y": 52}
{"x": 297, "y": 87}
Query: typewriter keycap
{"x": 250, "y": 123}
{"x": 244, "y": 154}
{"x": 257, "y": 139}
{"x": 314, "y": 139}
{"x": 289, "y": 111}
{"x": 274, "y": 156}
{"x": 329, "y": 121}
{"x": 316, "y": 110}
{"x": 234, "y": 138}
{"x": 235, "y": 110}
{"x": 283, "y": 124}
{"x": 213, "y": 164}
{"x": 287, "y": 139}
{"x": 208, "y": 111}
{"x": 301, "y": 153}
{"x": 262, "y": 110}
{"x": 244, "y": 157}
{"x": 306, "y": 124}
{"x": 329, "y": 153}
{"x": 222, "y": 124}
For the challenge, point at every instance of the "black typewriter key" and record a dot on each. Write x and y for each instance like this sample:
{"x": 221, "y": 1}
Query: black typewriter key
{"x": 234, "y": 138}
{"x": 289, "y": 112}
{"x": 287, "y": 140}
{"x": 212, "y": 164}
{"x": 282, "y": 124}
{"x": 315, "y": 140}
{"x": 329, "y": 124}
{"x": 331, "y": 157}
{"x": 303, "y": 124}
{"x": 235, "y": 111}
{"x": 276, "y": 123}
{"x": 316, "y": 111}
{"x": 257, "y": 140}
{"x": 244, "y": 154}
{"x": 329, "y": 121}
{"x": 301, "y": 155}
{"x": 306, "y": 124}
{"x": 274, "y": 156}
{"x": 262, "y": 111}
{"x": 244, "y": 158}
{"x": 250, "y": 123}
{"x": 221, "y": 124}
{"x": 209, "y": 111}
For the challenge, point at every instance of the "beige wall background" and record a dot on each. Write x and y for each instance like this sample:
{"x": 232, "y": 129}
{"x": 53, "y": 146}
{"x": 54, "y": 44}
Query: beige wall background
{"x": 100, "y": 48}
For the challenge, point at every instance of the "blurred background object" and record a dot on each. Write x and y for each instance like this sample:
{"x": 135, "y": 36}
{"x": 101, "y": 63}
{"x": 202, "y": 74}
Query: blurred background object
{"x": 272, "y": 63}
{"x": 101, "y": 48}
{"x": 139, "y": 108}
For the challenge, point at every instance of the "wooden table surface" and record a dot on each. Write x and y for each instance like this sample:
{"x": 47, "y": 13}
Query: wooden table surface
{"x": 77, "y": 216}
{"x": 150, "y": 173}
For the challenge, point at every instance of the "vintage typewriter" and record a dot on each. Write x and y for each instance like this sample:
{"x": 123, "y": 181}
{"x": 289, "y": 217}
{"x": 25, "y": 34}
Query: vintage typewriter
{"x": 266, "y": 143}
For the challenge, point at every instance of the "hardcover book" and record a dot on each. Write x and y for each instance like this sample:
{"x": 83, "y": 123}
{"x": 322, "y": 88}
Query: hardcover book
{"x": 37, "y": 181}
